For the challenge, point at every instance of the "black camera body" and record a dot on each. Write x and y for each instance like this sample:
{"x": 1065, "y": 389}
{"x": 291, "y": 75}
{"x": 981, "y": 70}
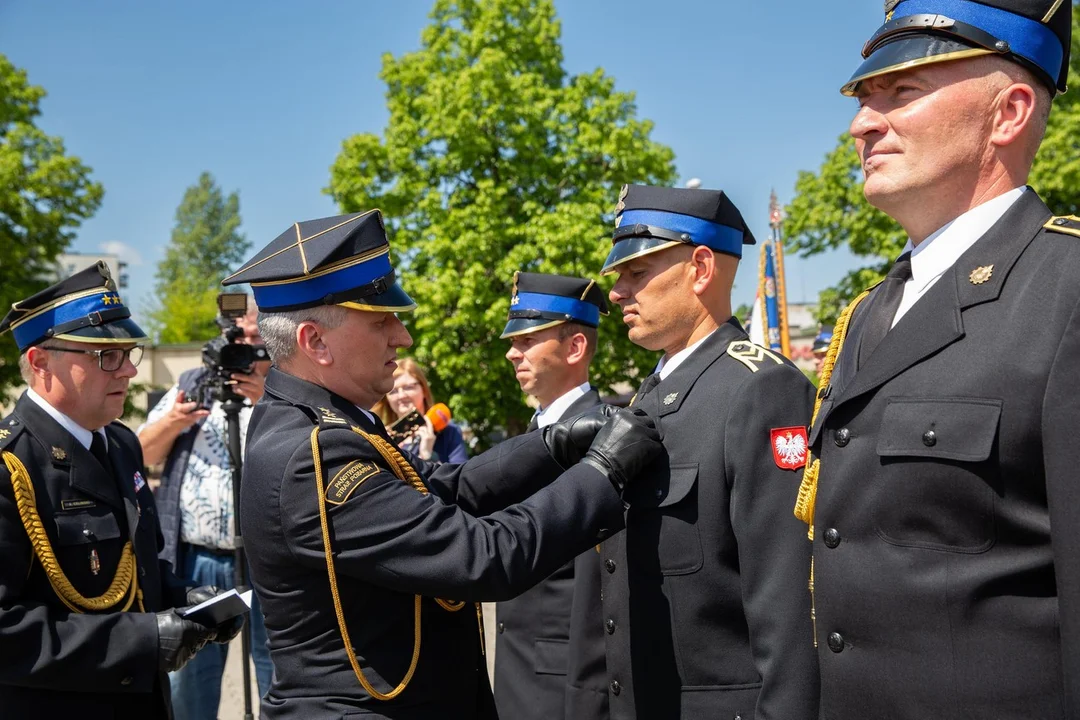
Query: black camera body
{"x": 226, "y": 354}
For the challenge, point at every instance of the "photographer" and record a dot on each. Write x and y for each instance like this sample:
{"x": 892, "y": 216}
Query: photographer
{"x": 187, "y": 431}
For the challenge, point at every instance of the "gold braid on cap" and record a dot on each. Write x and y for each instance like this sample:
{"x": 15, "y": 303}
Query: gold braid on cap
{"x": 125, "y": 583}
{"x": 404, "y": 472}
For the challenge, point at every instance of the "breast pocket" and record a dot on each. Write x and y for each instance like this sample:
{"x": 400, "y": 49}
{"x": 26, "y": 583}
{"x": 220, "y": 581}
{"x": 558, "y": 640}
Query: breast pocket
{"x": 939, "y": 483}
{"x": 668, "y": 519}
{"x": 86, "y": 527}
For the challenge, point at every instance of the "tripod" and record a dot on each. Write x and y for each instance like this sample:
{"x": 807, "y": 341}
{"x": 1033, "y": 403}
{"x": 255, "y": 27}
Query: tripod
{"x": 232, "y": 404}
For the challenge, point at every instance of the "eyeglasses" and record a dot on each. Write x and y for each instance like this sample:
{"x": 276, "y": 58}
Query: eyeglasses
{"x": 410, "y": 388}
{"x": 109, "y": 360}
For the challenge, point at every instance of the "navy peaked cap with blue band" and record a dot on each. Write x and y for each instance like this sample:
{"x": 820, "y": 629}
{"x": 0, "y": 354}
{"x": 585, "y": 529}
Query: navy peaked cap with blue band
{"x": 82, "y": 308}
{"x": 540, "y": 301}
{"x": 342, "y": 260}
{"x": 650, "y": 219}
{"x": 1034, "y": 33}
{"x": 823, "y": 339}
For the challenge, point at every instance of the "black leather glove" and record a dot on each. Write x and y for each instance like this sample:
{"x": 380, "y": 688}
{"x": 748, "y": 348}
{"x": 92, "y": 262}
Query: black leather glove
{"x": 569, "y": 439}
{"x": 179, "y": 640}
{"x": 624, "y": 446}
{"x": 228, "y": 629}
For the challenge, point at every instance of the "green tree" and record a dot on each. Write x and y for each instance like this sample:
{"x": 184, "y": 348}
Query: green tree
{"x": 494, "y": 160}
{"x": 44, "y": 195}
{"x": 829, "y": 210}
{"x": 206, "y": 244}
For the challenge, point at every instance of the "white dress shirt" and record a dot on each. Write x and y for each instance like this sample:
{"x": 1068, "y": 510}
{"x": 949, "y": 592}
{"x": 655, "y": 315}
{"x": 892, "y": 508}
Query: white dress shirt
{"x": 939, "y": 252}
{"x": 84, "y": 436}
{"x": 667, "y": 365}
{"x": 553, "y": 413}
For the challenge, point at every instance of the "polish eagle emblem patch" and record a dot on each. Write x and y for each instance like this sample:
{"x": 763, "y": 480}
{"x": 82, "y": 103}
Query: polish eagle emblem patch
{"x": 789, "y": 447}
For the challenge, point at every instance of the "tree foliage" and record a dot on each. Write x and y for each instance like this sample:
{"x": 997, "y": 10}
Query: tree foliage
{"x": 206, "y": 244}
{"x": 829, "y": 210}
{"x": 44, "y": 195}
{"x": 494, "y": 160}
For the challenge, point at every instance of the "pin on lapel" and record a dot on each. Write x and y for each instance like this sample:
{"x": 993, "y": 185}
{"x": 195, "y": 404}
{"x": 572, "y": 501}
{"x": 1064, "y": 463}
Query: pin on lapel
{"x": 58, "y": 453}
{"x": 4, "y": 434}
{"x": 981, "y": 274}
{"x": 670, "y": 398}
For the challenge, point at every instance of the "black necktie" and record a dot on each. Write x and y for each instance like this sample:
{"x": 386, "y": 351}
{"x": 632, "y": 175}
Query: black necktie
{"x": 98, "y": 450}
{"x": 886, "y": 301}
{"x": 534, "y": 423}
{"x": 650, "y": 382}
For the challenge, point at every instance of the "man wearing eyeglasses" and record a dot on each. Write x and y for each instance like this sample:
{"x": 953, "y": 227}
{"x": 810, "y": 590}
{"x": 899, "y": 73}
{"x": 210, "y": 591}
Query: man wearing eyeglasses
{"x": 85, "y": 624}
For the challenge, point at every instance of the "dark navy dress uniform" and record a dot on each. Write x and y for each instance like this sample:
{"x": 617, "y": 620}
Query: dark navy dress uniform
{"x": 945, "y": 534}
{"x": 56, "y": 661}
{"x": 549, "y": 660}
{"x": 705, "y": 593}
{"x": 392, "y": 550}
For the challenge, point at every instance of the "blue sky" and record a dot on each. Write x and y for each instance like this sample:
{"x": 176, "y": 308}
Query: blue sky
{"x": 150, "y": 94}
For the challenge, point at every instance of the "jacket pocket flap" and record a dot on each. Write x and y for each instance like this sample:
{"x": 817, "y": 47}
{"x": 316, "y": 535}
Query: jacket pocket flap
{"x": 86, "y": 527}
{"x": 551, "y": 656}
{"x": 661, "y": 491}
{"x": 948, "y": 428}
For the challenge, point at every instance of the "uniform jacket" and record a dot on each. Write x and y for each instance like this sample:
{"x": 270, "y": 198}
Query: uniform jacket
{"x": 705, "y": 595}
{"x": 549, "y": 662}
{"x": 946, "y": 544}
{"x": 390, "y": 543}
{"x": 57, "y": 663}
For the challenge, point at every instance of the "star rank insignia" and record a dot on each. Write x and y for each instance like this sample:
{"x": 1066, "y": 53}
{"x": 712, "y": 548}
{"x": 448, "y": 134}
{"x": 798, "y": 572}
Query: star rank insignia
{"x": 670, "y": 398}
{"x": 981, "y": 274}
{"x": 4, "y": 434}
{"x": 58, "y": 453}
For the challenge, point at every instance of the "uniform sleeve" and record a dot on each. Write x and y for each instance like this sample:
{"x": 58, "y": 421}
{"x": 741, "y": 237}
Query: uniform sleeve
{"x": 44, "y": 648}
{"x": 1061, "y": 448}
{"x": 774, "y": 555}
{"x": 506, "y": 474}
{"x": 386, "y": 532}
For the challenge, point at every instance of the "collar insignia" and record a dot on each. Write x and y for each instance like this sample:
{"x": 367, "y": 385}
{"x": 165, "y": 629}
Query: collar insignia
{"x": 330, "y": 416}
{"x": 670, "y": 398}
{"x": 4, "y": 434}
{"x": 58, "y": 453}
{"x": 981, "y": 274}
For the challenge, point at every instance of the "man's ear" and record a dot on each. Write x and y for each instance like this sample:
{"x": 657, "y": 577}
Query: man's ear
{"x": 703, "y": 262}
{"x": 579, "y": 349}
{"x": 38, "y": 359}
{"x": 309, "y": 340}
{"x": 1013, "y": 114}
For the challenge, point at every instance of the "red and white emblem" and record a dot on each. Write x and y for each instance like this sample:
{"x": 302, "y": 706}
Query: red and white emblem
{"x": 789, "y": 447}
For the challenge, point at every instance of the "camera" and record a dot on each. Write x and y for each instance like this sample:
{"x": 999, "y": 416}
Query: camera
{"x": 226, "y": 354}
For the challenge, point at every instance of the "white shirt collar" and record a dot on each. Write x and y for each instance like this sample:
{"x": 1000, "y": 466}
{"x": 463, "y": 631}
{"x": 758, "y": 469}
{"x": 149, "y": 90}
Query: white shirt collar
{"x": 667, "y": 365}
{"x": 940, "y": 251}
{"x": 84, "y": 436}
{"x": 554, "y": 412}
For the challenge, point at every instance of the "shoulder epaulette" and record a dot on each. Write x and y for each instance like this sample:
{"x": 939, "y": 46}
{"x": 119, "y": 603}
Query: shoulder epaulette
{"x": 1068, "y": 224}
{"x": 10, "y": 427}
{"x": 751, "y": 355}
{"x": 329, "y": 418}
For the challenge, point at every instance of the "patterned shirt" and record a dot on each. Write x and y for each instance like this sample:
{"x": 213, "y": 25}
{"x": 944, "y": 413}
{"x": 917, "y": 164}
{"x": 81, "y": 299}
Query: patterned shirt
{"x": 206, "y": 496}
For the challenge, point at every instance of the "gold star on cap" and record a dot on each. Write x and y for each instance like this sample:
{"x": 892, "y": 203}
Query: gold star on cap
{"x": 981, "y": 274}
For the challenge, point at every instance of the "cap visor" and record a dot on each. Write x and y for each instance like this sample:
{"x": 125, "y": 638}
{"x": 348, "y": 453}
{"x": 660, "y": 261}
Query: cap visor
{"x": 111, "y": 333}
{"x": 909, "y": 51}
{"x": 395, "y": 299}
{"x": 524, "y": 326}
{"x": 634, "y": 247}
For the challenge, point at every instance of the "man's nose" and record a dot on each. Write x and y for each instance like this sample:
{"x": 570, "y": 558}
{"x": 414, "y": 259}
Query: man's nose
{"x": 400, "y": 337}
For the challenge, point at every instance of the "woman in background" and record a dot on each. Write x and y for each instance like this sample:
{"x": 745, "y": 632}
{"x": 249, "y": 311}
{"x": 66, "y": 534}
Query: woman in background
{"x": 412, "y": 392}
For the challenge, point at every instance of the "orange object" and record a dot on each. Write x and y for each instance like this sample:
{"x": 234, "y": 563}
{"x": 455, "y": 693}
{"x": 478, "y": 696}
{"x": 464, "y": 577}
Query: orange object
{"x": 439, "y": 415}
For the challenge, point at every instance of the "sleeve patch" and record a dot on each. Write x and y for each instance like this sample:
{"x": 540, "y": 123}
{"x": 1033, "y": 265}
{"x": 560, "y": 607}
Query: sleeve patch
{"x": 347, "y": 480}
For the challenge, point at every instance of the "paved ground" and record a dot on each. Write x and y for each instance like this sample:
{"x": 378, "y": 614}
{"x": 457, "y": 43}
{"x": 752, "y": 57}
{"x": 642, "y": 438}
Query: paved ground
{"x": 232, "y": 686}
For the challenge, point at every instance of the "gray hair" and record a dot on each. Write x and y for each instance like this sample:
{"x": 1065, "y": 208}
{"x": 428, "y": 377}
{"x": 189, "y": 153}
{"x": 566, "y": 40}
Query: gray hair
{"x": 278, "y": 329}
{"x": 25, "y": 370}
